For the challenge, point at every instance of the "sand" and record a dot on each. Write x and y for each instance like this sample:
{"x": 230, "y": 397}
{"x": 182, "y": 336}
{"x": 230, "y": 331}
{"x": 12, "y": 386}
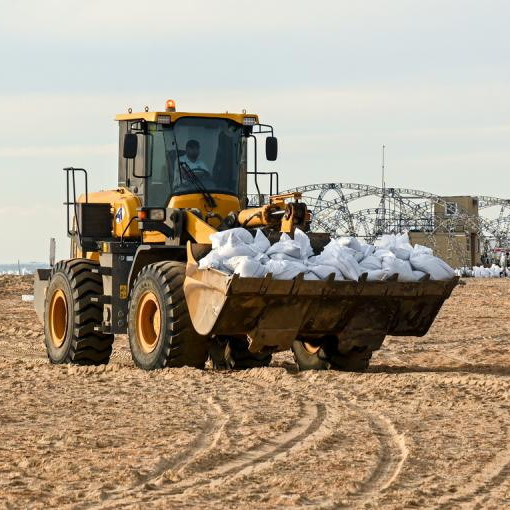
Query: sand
{"x": 428, "y": 426}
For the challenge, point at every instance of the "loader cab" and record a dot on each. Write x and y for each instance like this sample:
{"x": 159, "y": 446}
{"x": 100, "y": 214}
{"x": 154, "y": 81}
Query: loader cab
{"x": 163, "y": 156}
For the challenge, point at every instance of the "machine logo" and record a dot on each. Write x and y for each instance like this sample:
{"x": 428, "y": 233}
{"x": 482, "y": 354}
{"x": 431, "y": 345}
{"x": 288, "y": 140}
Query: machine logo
{"x": 119, "y": 215}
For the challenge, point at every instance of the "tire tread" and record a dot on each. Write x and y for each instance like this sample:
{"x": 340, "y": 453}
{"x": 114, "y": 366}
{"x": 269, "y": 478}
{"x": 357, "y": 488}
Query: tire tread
{"x": 182, "y": 345}
{"x": 87, "y": 346}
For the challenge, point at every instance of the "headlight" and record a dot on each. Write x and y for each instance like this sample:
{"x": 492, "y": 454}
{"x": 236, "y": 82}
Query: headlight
{"x": 151, "y": 214}
{"x": 249, "y": 121}
{"x": 157, "y": 214}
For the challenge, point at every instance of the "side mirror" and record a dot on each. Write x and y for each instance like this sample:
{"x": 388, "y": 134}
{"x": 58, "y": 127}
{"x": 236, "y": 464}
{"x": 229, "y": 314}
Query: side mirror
{"x": 130, "y": 146}
{"x": 271, "y": 148}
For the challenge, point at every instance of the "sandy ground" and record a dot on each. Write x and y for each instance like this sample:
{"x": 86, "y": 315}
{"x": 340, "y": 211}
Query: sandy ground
{"x": 427, "y": 427}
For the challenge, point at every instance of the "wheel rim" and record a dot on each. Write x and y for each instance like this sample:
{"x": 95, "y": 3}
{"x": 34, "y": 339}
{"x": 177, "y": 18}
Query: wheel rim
{"x": 310, "y": 348}
{"x": 148, "y": 322}
{"x": 58, "y": 318}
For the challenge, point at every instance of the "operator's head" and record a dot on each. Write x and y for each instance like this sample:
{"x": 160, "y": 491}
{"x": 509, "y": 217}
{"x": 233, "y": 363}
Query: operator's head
{"x": 192, "y": 150}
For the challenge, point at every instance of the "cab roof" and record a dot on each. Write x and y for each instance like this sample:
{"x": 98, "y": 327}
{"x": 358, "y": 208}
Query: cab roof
{"x": 155, "y": 116}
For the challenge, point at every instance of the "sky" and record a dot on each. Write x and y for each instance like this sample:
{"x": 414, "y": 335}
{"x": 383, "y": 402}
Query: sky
{"x": 337, "y": 79}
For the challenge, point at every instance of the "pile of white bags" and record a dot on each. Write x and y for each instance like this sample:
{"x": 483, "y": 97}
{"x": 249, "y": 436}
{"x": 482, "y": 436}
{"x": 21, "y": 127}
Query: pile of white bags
{"x": 237, "y": 251}
{"x": 494, "y": 271}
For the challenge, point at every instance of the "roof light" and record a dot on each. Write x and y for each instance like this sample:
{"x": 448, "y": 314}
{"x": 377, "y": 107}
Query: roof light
{"x": 164, "y": 119}
{"x": 249, "y": 121}
{"x": 170, "y": 105}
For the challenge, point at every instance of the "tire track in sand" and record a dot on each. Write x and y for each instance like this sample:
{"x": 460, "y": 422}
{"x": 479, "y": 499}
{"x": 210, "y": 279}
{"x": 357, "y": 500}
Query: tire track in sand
{"x": 205, "y": 441}
{"x": 317, "y": 421}
{"x": 478, "y": 490}
{"x": 305, "y": 430}
{"x": 476, "y": 493}
{"x": 392, "y": 455}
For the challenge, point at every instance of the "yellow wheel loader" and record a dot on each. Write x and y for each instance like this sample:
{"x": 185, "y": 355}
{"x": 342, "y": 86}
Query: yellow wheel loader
{"x": 134, "y": 269}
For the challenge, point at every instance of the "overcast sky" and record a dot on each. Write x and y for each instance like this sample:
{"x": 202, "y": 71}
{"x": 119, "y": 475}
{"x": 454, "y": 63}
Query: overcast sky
{"x": 337, "y": 79}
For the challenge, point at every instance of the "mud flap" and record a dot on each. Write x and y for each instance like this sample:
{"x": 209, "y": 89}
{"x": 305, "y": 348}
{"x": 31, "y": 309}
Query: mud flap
{"x": 41, "y": 280}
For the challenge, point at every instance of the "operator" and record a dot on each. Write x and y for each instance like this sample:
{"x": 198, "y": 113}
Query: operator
{"x": 191, "y": 157}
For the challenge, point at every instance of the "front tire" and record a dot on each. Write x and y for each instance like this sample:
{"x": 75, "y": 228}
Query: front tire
{"x": 160, "y": 330}
{"x": 71, "y": 319}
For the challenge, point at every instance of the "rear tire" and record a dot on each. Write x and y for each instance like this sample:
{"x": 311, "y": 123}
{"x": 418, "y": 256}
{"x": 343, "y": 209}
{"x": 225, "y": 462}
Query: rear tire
{"x": 71, "y": 318}
{"x": 233, "y": 353}
{"x": 325, "y": 356}
{"x": 160, "y": 330}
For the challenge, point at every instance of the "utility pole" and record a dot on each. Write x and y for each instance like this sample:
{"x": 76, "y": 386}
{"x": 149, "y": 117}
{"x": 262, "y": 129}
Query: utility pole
{"x": 383, "y": 184}
{"x": 383, "y": 196}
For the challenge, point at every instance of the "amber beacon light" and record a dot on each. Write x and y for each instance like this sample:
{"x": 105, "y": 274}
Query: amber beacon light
{"x": 170, "y": 105}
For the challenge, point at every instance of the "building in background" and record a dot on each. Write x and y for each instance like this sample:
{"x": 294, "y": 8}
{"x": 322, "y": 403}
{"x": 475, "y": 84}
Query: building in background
{"x": 454, "y": 235}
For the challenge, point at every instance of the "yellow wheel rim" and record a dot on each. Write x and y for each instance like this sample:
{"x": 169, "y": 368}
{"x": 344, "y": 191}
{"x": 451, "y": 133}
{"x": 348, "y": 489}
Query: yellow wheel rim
{"x": 58, "y": 318}
{"x": 312, "y": 349}
{"x": 148, "y": 322}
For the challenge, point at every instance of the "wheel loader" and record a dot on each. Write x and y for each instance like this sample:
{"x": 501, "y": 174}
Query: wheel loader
{"x": 133, "y": 265}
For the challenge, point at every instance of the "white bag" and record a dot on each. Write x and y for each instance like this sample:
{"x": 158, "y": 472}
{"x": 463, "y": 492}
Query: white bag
{"x": 246, "y": 267}
{"x": 348, "y": 266}
{"x": 233, "y": 262}
{"x": 262, "y": 258}
{"x": 377, "y": 274}
{"x": 381, "y": 253}
{"x": 334, "y": 249}
{"x": 261, "y": 242}
{"x": 420, "y": 250}
{"x": 371, "y": 263}
{"x": 418, "y": 275}
{"x": 237, "y": 235}
{"x": 388, "y": 260}
{"x": 403, "y": 248}
{"x": 367, "y": 250}
{"x": 386, "y": 242}
{"x": 350, "y": 242}
{"x": 401, "y": 267}
{"x": 235, "y": 248}
{"x": 358, "y": 256}
{"x": 437, "y": 268}
{"x": 284, "y": 269}
{"x": 403, "y": 252}
{"x": 342, "y": 258}
{"x": 287, "y": 246}
{"x": 323, "y": 271}
{"x": 304, "y": 243}
{"x": 402, "y": 240}
{"x": 213, "y": 261}
{"x": 284, "y": 256}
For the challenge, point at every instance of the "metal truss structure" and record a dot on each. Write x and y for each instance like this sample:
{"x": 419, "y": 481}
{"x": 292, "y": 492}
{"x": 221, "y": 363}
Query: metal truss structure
{"x": 370, "y": 211}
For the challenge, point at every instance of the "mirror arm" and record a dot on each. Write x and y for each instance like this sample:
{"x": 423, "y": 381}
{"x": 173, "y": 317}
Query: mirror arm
{"x": 255, "y": 169}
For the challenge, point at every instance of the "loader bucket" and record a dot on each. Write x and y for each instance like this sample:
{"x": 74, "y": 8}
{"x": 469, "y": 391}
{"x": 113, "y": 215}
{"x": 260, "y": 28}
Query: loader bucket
{"x": 272, "y": 313}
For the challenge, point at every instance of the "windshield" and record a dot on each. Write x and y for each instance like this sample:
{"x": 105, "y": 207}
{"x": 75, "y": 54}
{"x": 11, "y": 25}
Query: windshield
{"x": 209, "y": 148}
